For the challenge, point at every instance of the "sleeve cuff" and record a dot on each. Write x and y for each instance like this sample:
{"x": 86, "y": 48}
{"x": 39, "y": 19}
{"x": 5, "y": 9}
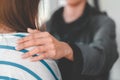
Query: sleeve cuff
{"x": 72, "y": 67}
{"x": 77, "y": 59}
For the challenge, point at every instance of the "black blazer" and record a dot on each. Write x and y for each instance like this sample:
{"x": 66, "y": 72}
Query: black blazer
{"x": 93, "y": 40}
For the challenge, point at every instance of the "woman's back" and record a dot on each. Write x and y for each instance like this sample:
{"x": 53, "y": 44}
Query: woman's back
{"x": 13, "y": 67}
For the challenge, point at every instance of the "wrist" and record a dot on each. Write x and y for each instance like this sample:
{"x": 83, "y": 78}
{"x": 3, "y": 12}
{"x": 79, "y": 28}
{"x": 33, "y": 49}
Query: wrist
{"x": 68, "y": 52}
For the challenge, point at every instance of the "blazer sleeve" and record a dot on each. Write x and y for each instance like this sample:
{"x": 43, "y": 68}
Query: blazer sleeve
{"x": 97, "y": 57}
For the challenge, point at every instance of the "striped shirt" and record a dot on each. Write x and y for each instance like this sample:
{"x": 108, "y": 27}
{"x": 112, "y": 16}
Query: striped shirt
{"x": 13, "y": 67}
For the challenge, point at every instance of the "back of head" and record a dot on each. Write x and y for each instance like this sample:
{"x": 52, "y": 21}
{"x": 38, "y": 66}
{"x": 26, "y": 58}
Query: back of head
{"x": 19, "y": 14}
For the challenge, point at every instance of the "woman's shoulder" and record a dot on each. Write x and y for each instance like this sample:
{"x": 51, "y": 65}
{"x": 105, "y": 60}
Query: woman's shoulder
{"x": 11, "y": 38}
{"x": 101, "y": 19}
{"x": 98, "y": 16}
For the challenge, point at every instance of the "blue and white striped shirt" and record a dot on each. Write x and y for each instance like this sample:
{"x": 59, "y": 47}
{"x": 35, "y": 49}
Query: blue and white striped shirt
{"x": 13, "y": 67}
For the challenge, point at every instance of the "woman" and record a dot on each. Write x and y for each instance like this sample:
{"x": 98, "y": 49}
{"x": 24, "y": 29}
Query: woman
{"x": 80, "y": 37}
{"x": 15, "y": 17}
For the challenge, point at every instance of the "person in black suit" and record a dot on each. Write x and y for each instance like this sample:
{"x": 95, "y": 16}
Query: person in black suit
{"x": 81, "y": 38}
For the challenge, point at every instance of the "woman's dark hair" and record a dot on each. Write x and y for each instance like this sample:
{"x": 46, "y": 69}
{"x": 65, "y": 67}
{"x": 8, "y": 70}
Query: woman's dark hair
{"x": 19, "y": 14}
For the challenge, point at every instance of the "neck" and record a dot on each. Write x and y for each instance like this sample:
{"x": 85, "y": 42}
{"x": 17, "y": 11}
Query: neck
{"x": 5, "y": 29}
{"x": 77, "y": 5}
{"x": 72, "y": 12}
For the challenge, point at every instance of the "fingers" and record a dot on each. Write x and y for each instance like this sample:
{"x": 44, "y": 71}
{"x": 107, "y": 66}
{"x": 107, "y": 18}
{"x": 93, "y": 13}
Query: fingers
{"x": 33, "y": 40}
{"x": 31, "y": 31}
{"x": 38, "y": 50}
{"x": 33, "y": 36}
{"x": 47, "y": 55}
{"x": 40, "y": 57}
{"x": 43, "y": 42}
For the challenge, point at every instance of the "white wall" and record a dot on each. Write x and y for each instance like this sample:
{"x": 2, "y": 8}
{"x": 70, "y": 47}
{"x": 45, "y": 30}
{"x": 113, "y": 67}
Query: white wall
{"x": 49, "y": 7}
{"x": 112, "y": 7}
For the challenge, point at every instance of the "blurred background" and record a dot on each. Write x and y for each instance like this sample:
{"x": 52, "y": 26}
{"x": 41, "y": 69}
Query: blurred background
{"x": 110, "y": 6}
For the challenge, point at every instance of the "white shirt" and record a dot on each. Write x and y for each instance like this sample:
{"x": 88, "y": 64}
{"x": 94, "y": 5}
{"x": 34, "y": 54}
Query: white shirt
{"x": 13, "y": 67}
